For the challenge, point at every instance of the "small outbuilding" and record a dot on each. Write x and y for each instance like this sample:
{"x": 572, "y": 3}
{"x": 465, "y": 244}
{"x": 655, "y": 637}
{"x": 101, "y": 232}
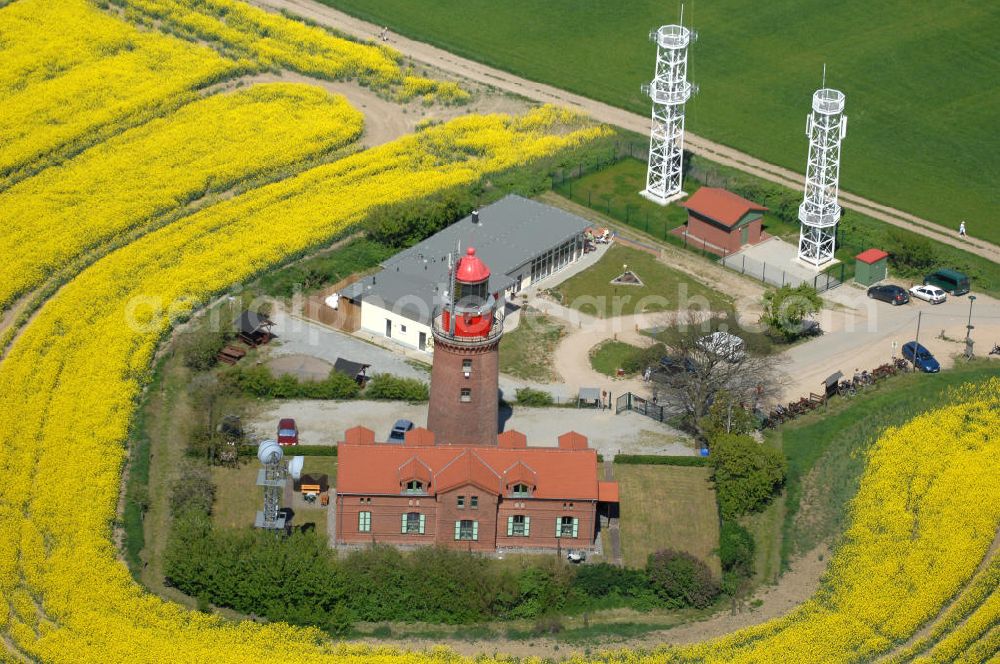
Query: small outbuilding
{"x": 723, "y": 220}
{"x": 255, "y": 328}
{"x": 871, "y": 266}
{"x": 355, "y": 370}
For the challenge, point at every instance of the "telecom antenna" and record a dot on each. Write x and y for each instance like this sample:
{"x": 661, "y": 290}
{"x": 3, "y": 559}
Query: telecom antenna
{"x": 669, "y": 91}
{"x": 819, "y": 213}
{"x": 272, "y": 478}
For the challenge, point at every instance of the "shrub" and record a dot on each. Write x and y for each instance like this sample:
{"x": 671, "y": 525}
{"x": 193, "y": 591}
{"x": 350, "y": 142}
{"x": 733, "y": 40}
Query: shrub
{"x": 787, "y": 309}
{"x": 194, "y": 491}
{"x": 736, "y": 549}
{"x": 200, "y": 348}
{"x": 260, "y": 382}
{"x": 527, "y": 396}
{"x": 747, "y": 474}
{"x": 911, "y": 253}
{"x": 641, "y": 358}
{"x": 654, "y": 460}
{"x": 394, "y": 388}
{"x": 679, "y": 579}
{"x": 604, "y": 579}
{"x": 726, "y": 415}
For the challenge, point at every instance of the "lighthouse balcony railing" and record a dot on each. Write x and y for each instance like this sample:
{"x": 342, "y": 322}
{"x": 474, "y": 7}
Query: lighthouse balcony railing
{"x": 443, "y": 332}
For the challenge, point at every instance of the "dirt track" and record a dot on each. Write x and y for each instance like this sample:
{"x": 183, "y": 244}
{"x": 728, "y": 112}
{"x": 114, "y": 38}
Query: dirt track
{"x": 634, "y": 122}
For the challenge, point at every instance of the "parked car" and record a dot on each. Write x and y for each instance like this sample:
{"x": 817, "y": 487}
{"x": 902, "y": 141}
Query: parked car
{"x": 677, "y": 365}
{"x": 894, "y": 295}
{"x": 399, "y": 429}
{"x": 952, "y": 281}
{"x": 932, "y": 294}
{"x": 920, "y": 357}
{"x": 288, "y": 433}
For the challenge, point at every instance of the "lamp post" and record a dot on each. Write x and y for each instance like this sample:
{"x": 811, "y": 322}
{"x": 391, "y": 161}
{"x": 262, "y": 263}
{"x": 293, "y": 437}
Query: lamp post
{"x": 968, "y": 330}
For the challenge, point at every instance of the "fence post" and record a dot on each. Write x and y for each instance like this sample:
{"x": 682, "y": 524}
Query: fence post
{"x": 763, "y": 272}
{"x": 743, "y": 270}
{"x": 782, "y": 278}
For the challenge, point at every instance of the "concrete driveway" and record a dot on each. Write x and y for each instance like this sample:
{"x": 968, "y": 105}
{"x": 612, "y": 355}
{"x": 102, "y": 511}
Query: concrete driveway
{"x": 324, "y": 423}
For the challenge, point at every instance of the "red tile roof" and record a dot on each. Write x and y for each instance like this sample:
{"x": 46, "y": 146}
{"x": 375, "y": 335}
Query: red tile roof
{"x": 471, "y": 269}
{"x": 560, "y": 473}
{"x": 607, "y": 492}
{"x": 723, "y": 206}
{"x": 871, "y": 256}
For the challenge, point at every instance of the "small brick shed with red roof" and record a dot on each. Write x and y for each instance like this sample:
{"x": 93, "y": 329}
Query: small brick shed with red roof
{"x": 469, "y": 497}
{"x": 723, "y": 219}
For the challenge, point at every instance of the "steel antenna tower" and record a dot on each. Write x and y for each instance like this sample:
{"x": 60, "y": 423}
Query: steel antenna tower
{"x": 669, "y": 91}
{"x": 819, "y": 213}
{"x": 272, "y": 478}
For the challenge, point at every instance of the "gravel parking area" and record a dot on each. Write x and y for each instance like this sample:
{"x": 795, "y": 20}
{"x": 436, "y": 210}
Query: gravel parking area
{"x": 324, "y": 423}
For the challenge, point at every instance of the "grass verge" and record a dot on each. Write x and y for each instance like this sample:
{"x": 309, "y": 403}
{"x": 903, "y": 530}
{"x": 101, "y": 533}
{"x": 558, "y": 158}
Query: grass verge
{"x": 668, "y": 507}
{"x": 527, "y": 351}
{"x": 826, "y": 448}
{"x": 609, "y": 356}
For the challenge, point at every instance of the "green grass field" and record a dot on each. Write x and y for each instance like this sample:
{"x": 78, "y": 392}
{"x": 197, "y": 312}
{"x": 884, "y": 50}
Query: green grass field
{"x": 663, "y": 288}
{"x": 668, "y": 507}
{"x": 612, "y": 192}
{"x": 922, "y": 110}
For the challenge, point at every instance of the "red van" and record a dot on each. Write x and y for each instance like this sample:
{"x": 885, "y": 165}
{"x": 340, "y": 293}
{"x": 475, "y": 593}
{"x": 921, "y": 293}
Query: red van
{"x": 288, "y": 433}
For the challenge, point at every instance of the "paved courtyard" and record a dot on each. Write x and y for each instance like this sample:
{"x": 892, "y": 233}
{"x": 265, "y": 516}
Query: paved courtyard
{"x": 324, "y": 423}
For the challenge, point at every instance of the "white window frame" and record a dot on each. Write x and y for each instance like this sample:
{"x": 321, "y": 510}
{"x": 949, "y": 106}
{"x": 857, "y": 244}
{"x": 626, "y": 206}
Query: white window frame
{"x": 567, "y": 523}
{"x": 465, "y": 396}
{"x": 417, "y": 529}
{"x": 473, "y": 531}
{"x": 414, "y": 491}
{"x": 364, "y": 522}
{"x": 526, "y": 493}
{"x": 525, "y": 526}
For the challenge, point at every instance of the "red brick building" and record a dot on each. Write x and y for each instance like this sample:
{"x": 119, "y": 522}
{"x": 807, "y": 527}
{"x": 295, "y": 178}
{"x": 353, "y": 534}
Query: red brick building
{"x": 724, "y": 220}
{"x": 459, "y": 483}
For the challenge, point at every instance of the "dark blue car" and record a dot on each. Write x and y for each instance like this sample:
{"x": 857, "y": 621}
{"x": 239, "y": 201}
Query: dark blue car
{"x": 920, "y": 357}
{"x": 399, "y": 429}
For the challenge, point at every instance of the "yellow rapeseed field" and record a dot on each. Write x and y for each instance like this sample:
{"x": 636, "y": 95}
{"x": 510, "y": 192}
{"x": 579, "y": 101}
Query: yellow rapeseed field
{"x": 71, "y": 378}
{"x": 128, "y": 181}
{"x": 104, "y": 76}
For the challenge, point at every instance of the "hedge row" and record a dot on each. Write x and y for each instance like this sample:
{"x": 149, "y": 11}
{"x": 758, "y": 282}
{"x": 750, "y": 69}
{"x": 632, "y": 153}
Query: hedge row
{"x": 655, "y": 460}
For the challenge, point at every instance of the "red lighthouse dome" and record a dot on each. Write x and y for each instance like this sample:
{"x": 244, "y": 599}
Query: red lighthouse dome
{"x": 471, "y": 270}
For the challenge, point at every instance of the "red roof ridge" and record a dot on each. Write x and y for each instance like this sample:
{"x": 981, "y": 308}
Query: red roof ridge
{"x": 721, "y": 205}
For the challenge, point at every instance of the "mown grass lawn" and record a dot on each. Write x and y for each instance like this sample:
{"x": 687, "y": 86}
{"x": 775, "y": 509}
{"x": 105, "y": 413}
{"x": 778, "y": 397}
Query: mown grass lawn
{"x": 609, "y": 356}
{"x": 667, "y": 507}
{"x": 663, "y": 288}
{"x": 237, "y": 496}
{"x": 921, "y": 112}
{"x": 527, "y": 351}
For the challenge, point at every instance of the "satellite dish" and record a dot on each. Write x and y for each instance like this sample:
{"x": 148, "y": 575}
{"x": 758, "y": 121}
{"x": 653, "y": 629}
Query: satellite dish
{"x": 269, "y": 451}
{"x": 295, "y": 466}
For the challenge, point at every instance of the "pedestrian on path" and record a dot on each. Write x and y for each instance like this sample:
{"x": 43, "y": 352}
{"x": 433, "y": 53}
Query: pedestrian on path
{"x": 961, "y": 229}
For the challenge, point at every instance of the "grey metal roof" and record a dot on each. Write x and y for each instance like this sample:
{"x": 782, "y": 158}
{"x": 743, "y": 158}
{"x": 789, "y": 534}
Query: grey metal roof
{"x": 509, "y": 233}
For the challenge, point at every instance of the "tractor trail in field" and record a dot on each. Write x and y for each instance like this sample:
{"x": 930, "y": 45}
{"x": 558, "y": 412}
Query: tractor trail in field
{"x": 540, "y": 92}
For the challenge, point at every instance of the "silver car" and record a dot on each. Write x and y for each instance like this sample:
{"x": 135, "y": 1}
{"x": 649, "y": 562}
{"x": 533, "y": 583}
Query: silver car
{"x": 931, "y": 294}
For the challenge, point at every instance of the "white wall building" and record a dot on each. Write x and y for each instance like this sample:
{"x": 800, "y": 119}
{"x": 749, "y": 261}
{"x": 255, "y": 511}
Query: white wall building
{"x": 522, "y": 241}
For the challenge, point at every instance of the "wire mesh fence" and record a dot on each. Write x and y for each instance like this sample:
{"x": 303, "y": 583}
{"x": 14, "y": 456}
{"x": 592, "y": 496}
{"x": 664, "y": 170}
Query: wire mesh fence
{"x": 778, "y": 275}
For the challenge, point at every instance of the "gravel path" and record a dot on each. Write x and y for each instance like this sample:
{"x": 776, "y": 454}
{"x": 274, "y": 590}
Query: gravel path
{"x": 603, "y": 112}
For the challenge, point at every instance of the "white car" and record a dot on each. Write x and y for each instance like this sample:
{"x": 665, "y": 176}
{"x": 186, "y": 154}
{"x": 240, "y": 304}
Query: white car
{"x": 932, "y": 294}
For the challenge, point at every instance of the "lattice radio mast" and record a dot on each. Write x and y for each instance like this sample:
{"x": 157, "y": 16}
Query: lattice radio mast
{"x": 819, "y": 213}
{"x": 272, "y": 478}
{"x": 669, "y": 91}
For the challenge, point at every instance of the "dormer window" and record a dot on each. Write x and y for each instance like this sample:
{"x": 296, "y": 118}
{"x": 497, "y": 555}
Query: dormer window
{"x": 520, "y": 491}
{"x": 414, "y": 486}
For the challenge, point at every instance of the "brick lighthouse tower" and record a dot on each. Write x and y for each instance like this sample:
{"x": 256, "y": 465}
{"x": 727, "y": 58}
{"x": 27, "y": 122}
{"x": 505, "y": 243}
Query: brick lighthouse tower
{"x": 463, "y": 407}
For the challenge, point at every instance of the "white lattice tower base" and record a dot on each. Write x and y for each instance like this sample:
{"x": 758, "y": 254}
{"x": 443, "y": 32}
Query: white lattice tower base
{"x": 819, "y": 212}
{"x": 669, "y": 91}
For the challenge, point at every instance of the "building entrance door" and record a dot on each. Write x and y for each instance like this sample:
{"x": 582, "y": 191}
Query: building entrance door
{"x": 388, "y": 328}
{"x": 422, "y": 341}
{"x": 744, "y": 235}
